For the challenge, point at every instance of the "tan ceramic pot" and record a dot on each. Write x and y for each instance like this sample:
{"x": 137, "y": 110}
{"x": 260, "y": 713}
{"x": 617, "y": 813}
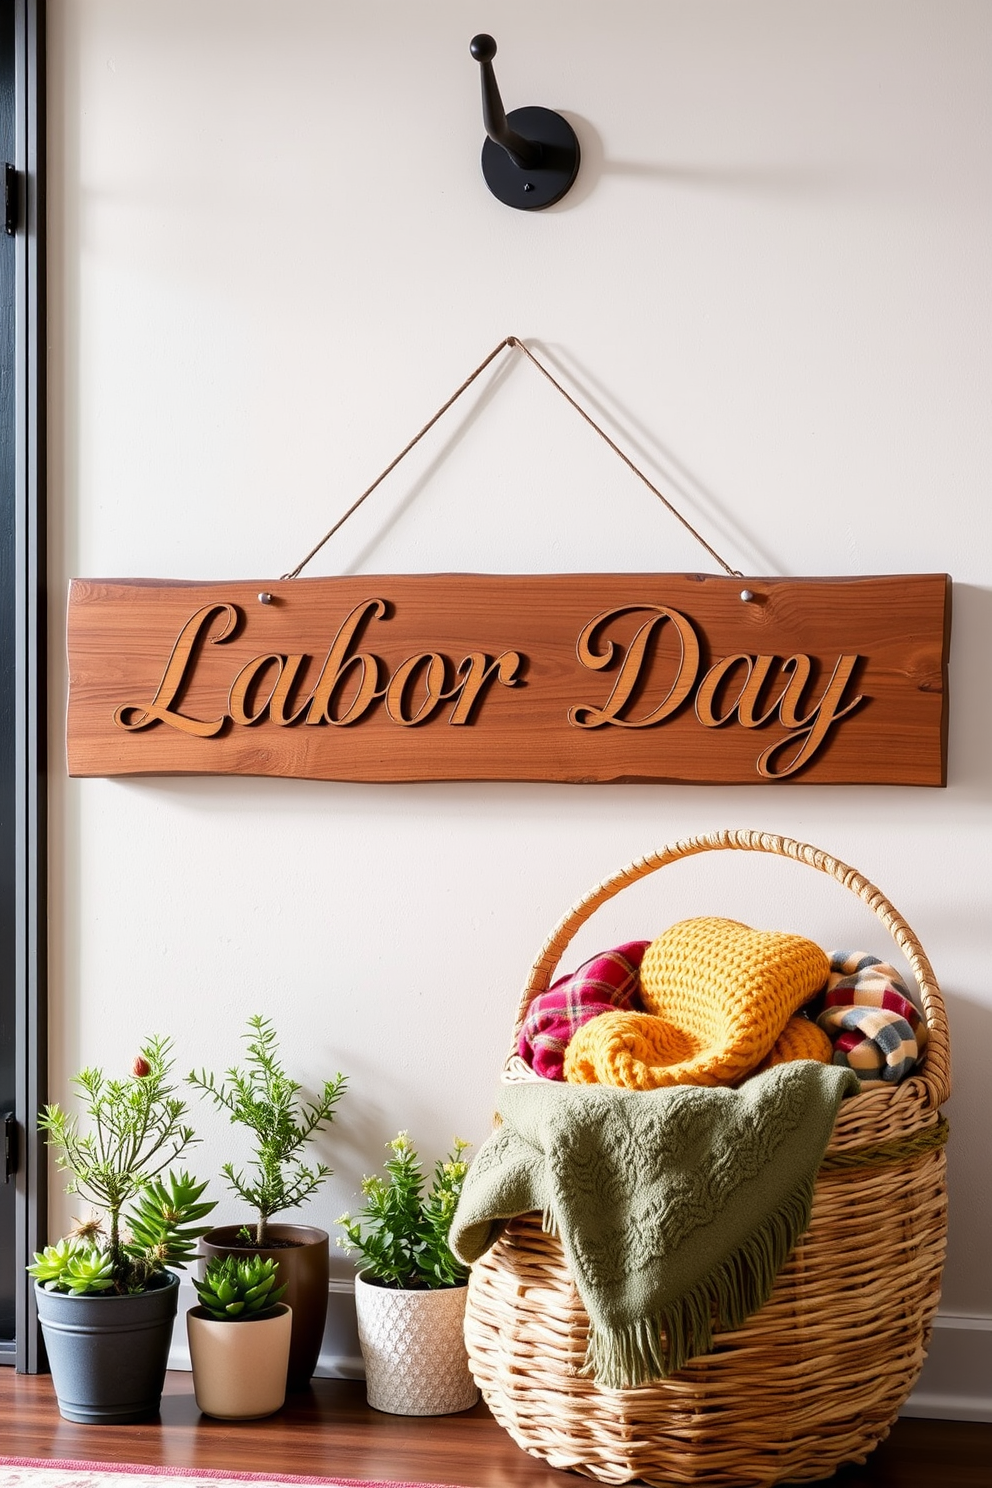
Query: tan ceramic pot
{"x": 413, "y": 1344}
{"x": 304, "y": 1267}
{"x": 239, "y": 1368}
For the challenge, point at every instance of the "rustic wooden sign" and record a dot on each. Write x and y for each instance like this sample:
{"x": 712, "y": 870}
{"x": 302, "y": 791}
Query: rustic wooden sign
{"x": 584, "y": 677}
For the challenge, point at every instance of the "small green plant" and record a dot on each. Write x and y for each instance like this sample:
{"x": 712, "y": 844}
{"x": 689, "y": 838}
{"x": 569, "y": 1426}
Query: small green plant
{"x": 73, "y": 1266}
{"x": 264, "y": 1099}
{"x": 137, "y": 1130}
{"x": 235, "y": 1290}
{"x": 401, "y": 1232}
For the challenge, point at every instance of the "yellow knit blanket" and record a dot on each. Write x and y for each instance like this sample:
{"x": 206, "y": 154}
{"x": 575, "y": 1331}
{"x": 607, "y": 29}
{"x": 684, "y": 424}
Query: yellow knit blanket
{"x": 719, "y": 998}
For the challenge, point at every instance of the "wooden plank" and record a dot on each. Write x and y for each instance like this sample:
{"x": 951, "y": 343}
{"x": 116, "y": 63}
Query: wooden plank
{"x": 565, "y": 677}
{"x": 330, "y": 1431}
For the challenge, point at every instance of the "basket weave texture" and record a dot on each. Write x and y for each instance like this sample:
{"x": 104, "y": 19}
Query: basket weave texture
{"x": 817, "y": 1376}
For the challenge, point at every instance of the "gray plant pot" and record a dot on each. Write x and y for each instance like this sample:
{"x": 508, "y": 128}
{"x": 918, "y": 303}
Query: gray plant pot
{"x": 108, "y": 1354}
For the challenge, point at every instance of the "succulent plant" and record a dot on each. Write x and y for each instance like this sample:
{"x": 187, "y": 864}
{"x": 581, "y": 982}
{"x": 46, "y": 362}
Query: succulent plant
{"x": 161, "y": 1224}
{"x": 73, "y": 1266}
{"x": 89, "y": 1270}
{"x": 235, "y": 1289}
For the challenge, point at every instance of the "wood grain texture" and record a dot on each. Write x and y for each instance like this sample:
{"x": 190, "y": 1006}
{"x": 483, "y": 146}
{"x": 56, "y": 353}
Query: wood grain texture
{"x": 329, "y": 1430}
{"x": 579, "y": 678}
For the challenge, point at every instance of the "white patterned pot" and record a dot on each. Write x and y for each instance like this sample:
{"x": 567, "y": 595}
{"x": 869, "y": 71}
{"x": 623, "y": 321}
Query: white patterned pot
{"x": 413, "y": 1344}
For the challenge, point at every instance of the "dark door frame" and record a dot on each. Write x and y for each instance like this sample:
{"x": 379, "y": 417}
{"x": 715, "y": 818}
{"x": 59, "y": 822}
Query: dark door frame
{"x": 30, "y": 671}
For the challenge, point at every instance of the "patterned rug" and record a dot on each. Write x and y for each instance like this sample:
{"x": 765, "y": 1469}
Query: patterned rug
{"x": 33, "y": 1472}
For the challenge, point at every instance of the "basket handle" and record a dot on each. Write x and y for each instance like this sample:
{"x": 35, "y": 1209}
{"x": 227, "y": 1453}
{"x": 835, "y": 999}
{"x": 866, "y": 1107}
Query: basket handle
{"x": 935, "y": 1066}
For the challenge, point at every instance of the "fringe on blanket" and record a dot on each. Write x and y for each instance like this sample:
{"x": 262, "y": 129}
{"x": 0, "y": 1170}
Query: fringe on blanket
{"x": 655, "y": 1347}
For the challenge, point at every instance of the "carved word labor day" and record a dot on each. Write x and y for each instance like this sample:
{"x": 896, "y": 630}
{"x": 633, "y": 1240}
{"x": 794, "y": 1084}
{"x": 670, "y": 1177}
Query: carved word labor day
{"x": 423, "y": 682}
{"x": 584, "y": 678}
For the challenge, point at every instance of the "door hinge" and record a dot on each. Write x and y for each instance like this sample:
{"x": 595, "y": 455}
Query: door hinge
{"x": 10, "y": 199}
{"x": 9, "y": 1145}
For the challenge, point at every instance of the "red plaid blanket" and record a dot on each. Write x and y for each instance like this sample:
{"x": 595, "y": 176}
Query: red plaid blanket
{"x": 608, "y": 981}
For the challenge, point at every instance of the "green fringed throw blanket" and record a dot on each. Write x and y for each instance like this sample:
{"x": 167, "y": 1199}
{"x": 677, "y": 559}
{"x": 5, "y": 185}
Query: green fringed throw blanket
{"x": 676, "y": 1208}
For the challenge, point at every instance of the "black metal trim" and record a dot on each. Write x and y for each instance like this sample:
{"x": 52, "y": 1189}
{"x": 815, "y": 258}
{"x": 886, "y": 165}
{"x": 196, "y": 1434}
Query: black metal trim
{"x": 31, "y": 664}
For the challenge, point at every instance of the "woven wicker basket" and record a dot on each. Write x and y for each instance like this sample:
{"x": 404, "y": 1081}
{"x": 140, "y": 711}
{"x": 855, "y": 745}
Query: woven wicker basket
{"x": 813, "y": 1380}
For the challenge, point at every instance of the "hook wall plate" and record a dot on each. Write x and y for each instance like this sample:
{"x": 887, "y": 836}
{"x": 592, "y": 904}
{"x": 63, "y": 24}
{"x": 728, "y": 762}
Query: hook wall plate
{"x": 531, "y": 156}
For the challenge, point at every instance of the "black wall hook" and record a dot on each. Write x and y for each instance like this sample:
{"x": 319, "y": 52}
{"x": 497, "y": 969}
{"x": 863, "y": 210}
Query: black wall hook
{"x": 531, "y": 156}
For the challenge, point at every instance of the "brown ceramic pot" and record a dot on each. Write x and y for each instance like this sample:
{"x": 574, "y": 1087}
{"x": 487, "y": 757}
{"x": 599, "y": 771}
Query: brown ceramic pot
{"x": 304, "y": 1266}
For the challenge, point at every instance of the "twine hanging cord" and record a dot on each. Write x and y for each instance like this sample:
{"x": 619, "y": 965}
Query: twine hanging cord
{"x": 514, "y": 342}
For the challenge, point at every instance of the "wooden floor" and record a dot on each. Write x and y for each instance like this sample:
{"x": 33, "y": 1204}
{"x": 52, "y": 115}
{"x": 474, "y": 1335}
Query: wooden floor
{"x": 330, "y": 1431}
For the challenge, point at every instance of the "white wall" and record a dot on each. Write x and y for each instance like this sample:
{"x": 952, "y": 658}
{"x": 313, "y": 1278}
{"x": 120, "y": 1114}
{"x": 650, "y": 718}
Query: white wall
{"x": 273, "y": 257}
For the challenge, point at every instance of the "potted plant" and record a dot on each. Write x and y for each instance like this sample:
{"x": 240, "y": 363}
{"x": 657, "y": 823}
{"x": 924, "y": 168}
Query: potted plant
{"x": 107, "y": 1293}
{"x": 239, "y": 1338}
{"x": 410, "y": 1290}
{"x": 262, "y": 1098}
